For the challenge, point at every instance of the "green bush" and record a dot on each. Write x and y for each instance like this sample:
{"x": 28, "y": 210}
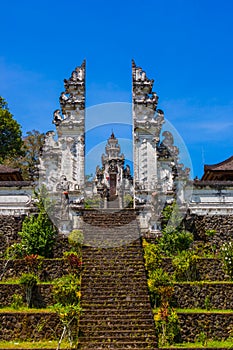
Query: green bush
{"x": 38, "y": 232}
{"x": 76, "y": 240}
{"x": 174, "y": 240}
{"x": 185, "y": 264}
{"x": 15, "y": 251}
{"x": 66, "y": 290}
{"x": 29, "y": 281}
{"x": 157, "y": 280}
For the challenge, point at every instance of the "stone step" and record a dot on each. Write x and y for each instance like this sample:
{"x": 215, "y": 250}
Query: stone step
{"x": 111, "y": 322}
{"x": 123, "y": 314}
{"x": 100, "y": 294}
{"x": 115, "y": 307}
{"x": 119, "y": 299}
{"x": 118, "y": 333}
{"x": 114, "y": 326}
{"x": 121, "y": 283}
{"x": 120, "y": 270}
{"x": 130, "y": 279}
{"x": 113, "y": 255}
{"x": 131, "y": 245}
{"x": 113, "y": 343}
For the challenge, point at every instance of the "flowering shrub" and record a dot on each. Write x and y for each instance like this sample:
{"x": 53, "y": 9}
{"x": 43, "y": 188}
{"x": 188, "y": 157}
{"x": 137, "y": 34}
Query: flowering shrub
{"x": 74, "y": 261}
{"x": 227, "y": 257}
{"x": 69, "y": 316}
{"x": 34, "y": 263}
{"x": 167, "y": 325}
{"x": 152, "y": 255}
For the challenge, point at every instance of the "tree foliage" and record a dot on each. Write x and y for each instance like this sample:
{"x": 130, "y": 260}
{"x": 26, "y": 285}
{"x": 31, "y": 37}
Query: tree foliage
{"x": 10, "y": 134}
{"x": 29, "y": 160}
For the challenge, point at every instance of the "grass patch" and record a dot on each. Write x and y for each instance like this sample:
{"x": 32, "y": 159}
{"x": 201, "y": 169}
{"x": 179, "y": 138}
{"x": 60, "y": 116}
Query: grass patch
{"x": 46, "y": 344}
{"x": 200, "y": 311}
{"x": 24, "y": 309}
{"x": 16, "y": 281}
{"x": 200, "y": 283}
{"x": 204, "y": 311}
{"x": 211, "y": 344}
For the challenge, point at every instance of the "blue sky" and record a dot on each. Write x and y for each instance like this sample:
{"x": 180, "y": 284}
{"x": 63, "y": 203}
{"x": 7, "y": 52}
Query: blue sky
{"x": 185, "y": 45}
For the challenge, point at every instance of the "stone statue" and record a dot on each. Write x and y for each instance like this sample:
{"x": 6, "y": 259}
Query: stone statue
{"x": 57, "y": 118}
{"x": 63, "y": 98}
{"x": 80, "y": 74}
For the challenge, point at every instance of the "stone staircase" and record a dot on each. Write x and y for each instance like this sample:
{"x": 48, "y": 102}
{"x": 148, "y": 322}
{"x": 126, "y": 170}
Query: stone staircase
{"x": 115, "y": 301}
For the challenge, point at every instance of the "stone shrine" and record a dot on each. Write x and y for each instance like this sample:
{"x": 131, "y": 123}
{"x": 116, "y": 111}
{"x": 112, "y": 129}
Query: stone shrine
{"x": 113, "y": 181}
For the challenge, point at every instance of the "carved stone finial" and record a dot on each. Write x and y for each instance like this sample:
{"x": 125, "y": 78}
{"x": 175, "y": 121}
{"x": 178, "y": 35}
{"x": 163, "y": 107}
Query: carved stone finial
{"x": 57, "y": 118}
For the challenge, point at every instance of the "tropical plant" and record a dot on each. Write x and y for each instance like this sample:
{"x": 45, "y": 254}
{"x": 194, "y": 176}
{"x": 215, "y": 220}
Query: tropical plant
{"x": 67, "y": 294}
{"x": 66, "y": 290}
{"x": 69, "y": 316}
{"x": 34, "y": 263}
{"x": 29, "y": 281}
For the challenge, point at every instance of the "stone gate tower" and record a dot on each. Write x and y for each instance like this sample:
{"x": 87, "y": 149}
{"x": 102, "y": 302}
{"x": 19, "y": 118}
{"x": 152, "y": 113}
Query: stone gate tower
{"x": 147, "y": 124}
{"x": 63, "y": 159}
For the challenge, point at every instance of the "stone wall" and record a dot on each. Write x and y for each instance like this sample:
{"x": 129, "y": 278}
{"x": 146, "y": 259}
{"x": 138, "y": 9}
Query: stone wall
{"x": 198, "y": 225}
{"x": 215, "y": 325}
{"x": 207, "y": 269}
{"x": 35, "y": 326}
{"x": 11, "y": 225}
{"x": 48, "y": 269}
{"x": 29, "y": 326}
{"x": 41, "y": 295}
{"x": 220, "y": 296}
{"x": 202, "y": 295}
{"x": 9, "y": 228}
